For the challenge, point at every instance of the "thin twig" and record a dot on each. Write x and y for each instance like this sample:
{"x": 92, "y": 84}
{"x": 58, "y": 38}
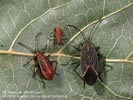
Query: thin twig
{"x": 62, "y": 55}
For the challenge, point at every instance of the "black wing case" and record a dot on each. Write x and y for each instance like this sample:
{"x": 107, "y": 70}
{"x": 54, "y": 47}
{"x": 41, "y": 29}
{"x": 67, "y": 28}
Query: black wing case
{"x": 89, "y": 58}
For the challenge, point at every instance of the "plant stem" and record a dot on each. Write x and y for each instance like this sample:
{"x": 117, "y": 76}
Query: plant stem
{"x": 63, "y": 55}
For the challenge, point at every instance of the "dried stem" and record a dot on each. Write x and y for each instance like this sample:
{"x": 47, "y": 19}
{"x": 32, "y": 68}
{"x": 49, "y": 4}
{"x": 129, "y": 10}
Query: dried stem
{"x": 119, "y": 61}
{"x": 62, "y": 55}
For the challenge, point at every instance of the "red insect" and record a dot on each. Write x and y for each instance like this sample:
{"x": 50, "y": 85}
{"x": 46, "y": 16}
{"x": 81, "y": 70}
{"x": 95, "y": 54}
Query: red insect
{"x": 43, "y": 67}
{"x": 58, "y": 35}
{"x": 46, "y": 67}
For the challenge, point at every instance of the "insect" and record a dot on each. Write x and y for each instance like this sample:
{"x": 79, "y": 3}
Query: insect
{"x": 58, "y": 36}
{"x": 43, "y": 67}
{"x": 89, "y": 59}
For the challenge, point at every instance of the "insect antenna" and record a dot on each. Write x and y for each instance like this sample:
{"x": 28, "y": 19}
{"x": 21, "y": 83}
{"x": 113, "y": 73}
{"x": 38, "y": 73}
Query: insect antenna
{"x": 37, "y": 40}
{"x": 27, "y": 47}
{"x": 78, "y": 30}
{"x": 94, "y": 28}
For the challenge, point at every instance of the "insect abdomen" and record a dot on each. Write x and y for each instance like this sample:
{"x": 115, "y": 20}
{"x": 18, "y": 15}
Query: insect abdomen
{"x": 58, "y": 36}
{"x": 46, "y": 67}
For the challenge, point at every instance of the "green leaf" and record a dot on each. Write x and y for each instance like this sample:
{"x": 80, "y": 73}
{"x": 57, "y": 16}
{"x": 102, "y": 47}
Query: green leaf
{"x": 21, "y": 20}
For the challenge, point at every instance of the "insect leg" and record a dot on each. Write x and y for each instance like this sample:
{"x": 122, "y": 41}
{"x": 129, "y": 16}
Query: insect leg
{"x": 55, "y": 66}
{"x": 74, "y": 63}
{"x": 100, "y": 77}
{"x": 64, "y": 39}
{"x": 79, "y": 46}
{"x": 43, "y": 49}
{"x": 101, "y": 63}
{"x": 64, "y": 31}
{"x": 27, "y": 47}
{"x": 55, "y": 44}
{"x": 37, "y": 72}
{"x": 84, "y": 83}
{"x": 36, "y": 68}
{"x": 69, "y": 62}
{"x": 29, "y": 60}
{"x": 62, "y": 44}
{"x": 48, "y": 56}
{"x": 34, "y": 72}
{"x": 76, "y": 48}
{"x": 109, "y": 67}
{"x": 97, "y": 48}
{"x": 41, "y": 79}
{"x": 53, "y": 37}
{"x": 53, "y": 34}
{"x": 77, "y": 72}
{"x": 78, "y": 30}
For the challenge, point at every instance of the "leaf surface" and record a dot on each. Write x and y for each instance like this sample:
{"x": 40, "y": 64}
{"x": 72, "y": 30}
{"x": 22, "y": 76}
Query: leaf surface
{"x": 21, "y": 20}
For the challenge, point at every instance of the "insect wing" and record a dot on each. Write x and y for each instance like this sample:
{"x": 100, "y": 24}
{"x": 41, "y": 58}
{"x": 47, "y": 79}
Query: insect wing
{"x": 47, "y": 70}
{"x": 46, "y": 67}
{"x": 90, "y": 77}
{"x": 89, "y": 58}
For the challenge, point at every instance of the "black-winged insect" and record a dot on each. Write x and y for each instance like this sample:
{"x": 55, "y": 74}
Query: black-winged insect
{"x": 89, "y": 58}
{"x": 43, "y": 67}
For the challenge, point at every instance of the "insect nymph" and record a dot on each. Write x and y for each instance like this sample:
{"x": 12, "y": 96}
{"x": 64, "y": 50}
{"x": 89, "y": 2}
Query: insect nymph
{"x": 43, "y": 66}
